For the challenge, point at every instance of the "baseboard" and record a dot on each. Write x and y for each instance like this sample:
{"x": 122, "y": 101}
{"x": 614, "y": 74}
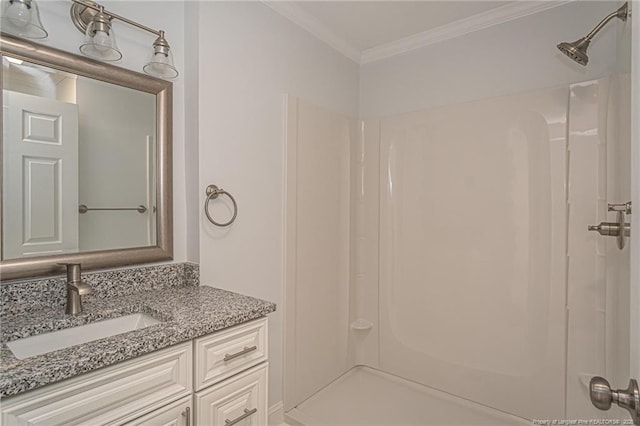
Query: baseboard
{"x": 276, "y": 414}
{"x": 295, "y": 417}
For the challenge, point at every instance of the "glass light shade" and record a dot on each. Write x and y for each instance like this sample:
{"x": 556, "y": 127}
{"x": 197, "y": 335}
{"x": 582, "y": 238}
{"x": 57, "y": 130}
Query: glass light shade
{"x": 100, "y": 40}
{"x": 22, "y": 18}
{"x": 161, "y": 63}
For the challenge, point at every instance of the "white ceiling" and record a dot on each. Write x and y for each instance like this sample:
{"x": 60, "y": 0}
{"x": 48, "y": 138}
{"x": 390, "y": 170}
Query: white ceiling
{"x": 367, "y": 31}
{"x": 367, "y": 24}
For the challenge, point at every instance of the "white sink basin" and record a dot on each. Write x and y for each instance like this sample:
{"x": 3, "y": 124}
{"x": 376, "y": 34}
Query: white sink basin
{"x": 49, "y": 342}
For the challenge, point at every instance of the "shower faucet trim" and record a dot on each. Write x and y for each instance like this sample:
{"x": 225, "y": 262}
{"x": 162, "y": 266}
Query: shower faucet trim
{"x": 577, "y": 50}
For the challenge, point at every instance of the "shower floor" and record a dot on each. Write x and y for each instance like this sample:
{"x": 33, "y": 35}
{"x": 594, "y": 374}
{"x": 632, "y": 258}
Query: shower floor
{"x": 364, "y": 396}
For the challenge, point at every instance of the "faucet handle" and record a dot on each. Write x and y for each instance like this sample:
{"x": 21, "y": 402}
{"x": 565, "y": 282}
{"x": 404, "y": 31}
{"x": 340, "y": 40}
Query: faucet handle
{"x": 75, "y": 288}
{"x": 81, "y": 287}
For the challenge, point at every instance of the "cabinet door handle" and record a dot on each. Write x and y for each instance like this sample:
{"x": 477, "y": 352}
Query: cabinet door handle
{"x": 241, "y": 417}
{"x": 187, "y": 413}
{"x": 245, "y": 351}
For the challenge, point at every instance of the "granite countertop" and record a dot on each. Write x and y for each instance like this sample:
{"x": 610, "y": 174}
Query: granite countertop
{"x": 187, "y": 312}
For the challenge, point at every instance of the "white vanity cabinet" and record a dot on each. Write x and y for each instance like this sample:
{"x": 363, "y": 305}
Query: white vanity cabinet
{"x": 227, "y": 370}
{"x": 240, "y": 400}
{"x": 179, "y": 413}
{"x": 112, "y": 395}
{"x": 231, "y": 376}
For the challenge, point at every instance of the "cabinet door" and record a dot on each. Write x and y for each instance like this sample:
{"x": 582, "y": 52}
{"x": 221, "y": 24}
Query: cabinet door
{"x": 240, "y": 400}
{"x": 112, "y": 395}
{"x": 177, "y": 414}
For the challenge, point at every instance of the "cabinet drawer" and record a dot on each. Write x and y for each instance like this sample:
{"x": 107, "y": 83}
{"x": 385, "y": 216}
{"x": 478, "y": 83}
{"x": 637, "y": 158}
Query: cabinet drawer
{"x": 115, "y": 394}
{"x": 177, "y": 414}
{"x": 240, "y": 400}
{"x": 228, "y": 352}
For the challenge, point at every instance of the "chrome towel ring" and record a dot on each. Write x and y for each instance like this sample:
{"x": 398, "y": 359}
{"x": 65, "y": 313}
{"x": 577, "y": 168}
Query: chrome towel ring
{"x": 212, "y": 193}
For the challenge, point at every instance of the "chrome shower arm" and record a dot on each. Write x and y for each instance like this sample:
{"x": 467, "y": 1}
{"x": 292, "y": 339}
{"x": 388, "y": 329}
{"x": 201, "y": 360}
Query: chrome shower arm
{"x": 577, "y": 50}
{"x": 620, "y": 13}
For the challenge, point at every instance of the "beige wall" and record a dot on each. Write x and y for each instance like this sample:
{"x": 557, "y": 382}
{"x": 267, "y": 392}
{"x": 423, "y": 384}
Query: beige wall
{"x": 504, "y": 59}
{"x": 249, "y": 58}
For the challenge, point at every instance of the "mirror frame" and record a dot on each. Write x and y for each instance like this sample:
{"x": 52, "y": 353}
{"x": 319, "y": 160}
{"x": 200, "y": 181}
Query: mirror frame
{"x": 163, "y": 90}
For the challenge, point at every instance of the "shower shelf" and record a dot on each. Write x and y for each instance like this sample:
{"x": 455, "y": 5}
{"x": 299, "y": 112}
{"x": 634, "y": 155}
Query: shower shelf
{"x": 361, "y": 324}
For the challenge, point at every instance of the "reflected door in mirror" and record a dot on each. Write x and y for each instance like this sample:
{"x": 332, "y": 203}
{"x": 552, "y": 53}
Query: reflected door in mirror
{"x": 40, "y": 152}
{"x": 108, "y": 201}
{"x": 80, "y": 159}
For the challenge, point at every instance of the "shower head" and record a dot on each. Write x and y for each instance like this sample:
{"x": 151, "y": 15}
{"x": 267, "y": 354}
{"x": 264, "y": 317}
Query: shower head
{"x": 577, "y": 50}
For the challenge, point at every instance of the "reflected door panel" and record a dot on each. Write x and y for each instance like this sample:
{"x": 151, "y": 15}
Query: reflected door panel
{"x": 122, "y": 160}
{"x": 41, "y": 163}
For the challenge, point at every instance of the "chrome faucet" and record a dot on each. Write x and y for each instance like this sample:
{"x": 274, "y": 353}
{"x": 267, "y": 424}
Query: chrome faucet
{"x": 75, "y": 288}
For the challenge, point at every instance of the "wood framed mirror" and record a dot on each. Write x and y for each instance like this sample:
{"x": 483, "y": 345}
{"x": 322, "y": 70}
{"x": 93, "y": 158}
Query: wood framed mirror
{"x": 86, "y": 163}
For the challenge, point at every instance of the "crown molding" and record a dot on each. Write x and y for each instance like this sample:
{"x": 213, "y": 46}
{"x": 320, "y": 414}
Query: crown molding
{"x": 499, "y": 15}
{"x": 300, "y": 17}
{"x": 492, "y": 17}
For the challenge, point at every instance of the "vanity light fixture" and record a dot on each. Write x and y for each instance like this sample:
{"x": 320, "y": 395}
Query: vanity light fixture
{"x": 96, "y": 23}
{"x": 100, "y": 40}
{"x": 161, "y": 61}
{"x": 22, "y": 18}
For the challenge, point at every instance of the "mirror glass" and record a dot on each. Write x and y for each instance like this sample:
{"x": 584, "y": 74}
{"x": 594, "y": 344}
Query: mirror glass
{"x": 79, "y": 163}
{"x": 86, "y": 163}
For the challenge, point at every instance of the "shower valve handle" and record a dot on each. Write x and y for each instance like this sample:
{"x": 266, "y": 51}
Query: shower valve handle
{"x": 620, "y": 228}
{"x": 622, "y": 207}
{"x": 610, "y": 229}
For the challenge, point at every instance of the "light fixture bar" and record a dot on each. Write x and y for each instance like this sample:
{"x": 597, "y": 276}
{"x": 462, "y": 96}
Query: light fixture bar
{"x": 95, "y": 21}
{"x": 98, "y": 8}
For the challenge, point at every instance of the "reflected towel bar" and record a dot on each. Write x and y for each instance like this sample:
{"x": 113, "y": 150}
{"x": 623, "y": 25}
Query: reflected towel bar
{"x": 82, "y": 208}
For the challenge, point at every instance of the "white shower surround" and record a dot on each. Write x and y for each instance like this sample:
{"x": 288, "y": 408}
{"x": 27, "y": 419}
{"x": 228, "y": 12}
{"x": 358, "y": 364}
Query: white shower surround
{"x": 476, "y": 249}
{"x": 472, "y": 244}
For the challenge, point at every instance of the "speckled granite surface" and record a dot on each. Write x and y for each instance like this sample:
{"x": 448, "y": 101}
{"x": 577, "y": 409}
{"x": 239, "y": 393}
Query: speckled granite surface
{"x": 34, "y": 295}
{"x": 187, "y": 310}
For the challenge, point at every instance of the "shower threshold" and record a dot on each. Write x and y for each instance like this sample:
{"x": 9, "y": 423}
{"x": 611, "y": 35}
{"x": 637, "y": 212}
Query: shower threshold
{"x": 364, "y": 396}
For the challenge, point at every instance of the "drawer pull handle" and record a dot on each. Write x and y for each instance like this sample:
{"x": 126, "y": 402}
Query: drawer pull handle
{"x": 187, "y": 413}
{"x": 240, "y": 418}
{"x": 245, "y": 351}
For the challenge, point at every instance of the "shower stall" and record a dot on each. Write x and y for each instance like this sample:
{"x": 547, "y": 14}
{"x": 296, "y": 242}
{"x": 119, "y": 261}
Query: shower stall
{"x": 440, "y": 268}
